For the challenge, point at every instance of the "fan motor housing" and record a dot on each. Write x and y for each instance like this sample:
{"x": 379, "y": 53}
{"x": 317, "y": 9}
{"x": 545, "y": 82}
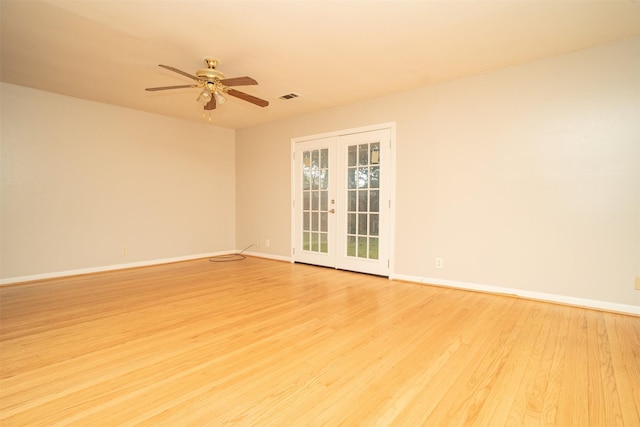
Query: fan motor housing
{"x": 209, "y": 74}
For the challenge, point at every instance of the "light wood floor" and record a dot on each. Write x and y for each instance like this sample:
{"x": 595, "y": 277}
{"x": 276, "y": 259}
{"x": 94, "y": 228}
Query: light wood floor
{"x": 268, "y": 343}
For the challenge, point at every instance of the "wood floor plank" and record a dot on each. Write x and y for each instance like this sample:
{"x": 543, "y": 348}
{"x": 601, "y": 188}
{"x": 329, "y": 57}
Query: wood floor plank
{"x": 540, "y": 354}
{"x": 510, "y": 408}
{"x": 262, "y": 342}
{"x": 604, "y": 404}
{"x": 626, "y": 366}
{"x": 555, "y": 363}
{"x": 573, "y": 402}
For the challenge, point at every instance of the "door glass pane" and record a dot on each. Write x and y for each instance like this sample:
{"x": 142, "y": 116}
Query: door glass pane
{"x": 373, "y": 248}
{"x": 306, "y": 201}
{"x": 351, "y": 245}
{"x": 324, "y": 243}
{"x": 363, "y": 226}
{"x": 362, "y": 200}
{"x": 306, "y": 220}
{"x": 374, "y": 199}
{"x": 362, "y": 247}
{"x": 315, "y": 204}
{"x": 374, "y": 177}
{"x": 324, "y": 158}
{"x": 351, "y": 223}
{"x": 373, "y": 224}
{"x": 352, "y": 155}
{"x": 363, "y": 177}
{"x": 375, "y": 153}
{"x": 324, "y": 179}
{"x": 306, "y": 179}
{"x": 351, "y": 176}
{"x": 352, "y": 202}
{"x": 363, "y": 154}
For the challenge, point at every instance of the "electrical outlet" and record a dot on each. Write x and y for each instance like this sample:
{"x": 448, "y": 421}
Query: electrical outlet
{"x": 638, "y": 283}
{"x": 439, "y": 262}
{"x": 124, "y": 250}
{"x": 266, "y": 243}
{"x": 257, "y": 243}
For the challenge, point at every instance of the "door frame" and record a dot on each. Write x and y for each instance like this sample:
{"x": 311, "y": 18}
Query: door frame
{"x": 391, "y": 126}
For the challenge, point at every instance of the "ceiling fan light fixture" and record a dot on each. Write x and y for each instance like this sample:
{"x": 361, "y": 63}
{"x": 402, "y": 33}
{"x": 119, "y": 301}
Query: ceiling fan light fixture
{"x": 220, "y": 99}
{"x": 204, "y": 97}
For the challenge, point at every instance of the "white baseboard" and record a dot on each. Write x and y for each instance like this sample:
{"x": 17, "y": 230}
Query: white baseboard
{"x": 19, "y": 279}
{"x": 562, "y": 299}
{"x": 268, "y": 256}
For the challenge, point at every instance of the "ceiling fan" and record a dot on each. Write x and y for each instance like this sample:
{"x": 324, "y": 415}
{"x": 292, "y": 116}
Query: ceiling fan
{"x": 214, "y": 84}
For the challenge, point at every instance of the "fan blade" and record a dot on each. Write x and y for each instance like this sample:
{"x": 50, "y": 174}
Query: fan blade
{"x": 175, "y": 70}
{"x": 239, "y": 81}
{"x": 169, "y": 87}
{"x": 250, "y": 98}
{"x": 211, "y": 105}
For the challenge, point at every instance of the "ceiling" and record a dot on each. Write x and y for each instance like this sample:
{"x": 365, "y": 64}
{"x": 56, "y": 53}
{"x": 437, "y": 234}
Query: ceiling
{"x": 330, "y": 52}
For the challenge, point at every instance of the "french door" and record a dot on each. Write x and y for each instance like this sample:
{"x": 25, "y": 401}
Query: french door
{"x": 341, "y": 201}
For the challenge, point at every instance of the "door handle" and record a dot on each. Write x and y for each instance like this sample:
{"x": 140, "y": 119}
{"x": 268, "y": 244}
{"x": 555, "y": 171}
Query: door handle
{"x": 332, "y": 211}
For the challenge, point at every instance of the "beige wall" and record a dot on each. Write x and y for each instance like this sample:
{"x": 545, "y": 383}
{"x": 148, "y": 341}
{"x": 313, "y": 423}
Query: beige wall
{"x": 81, "y": 180}
{"x": 525, "y": 178}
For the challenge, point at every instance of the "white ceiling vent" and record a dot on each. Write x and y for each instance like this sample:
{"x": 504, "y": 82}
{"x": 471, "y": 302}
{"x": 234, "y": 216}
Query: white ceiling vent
{"x": 289, "y": 96}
